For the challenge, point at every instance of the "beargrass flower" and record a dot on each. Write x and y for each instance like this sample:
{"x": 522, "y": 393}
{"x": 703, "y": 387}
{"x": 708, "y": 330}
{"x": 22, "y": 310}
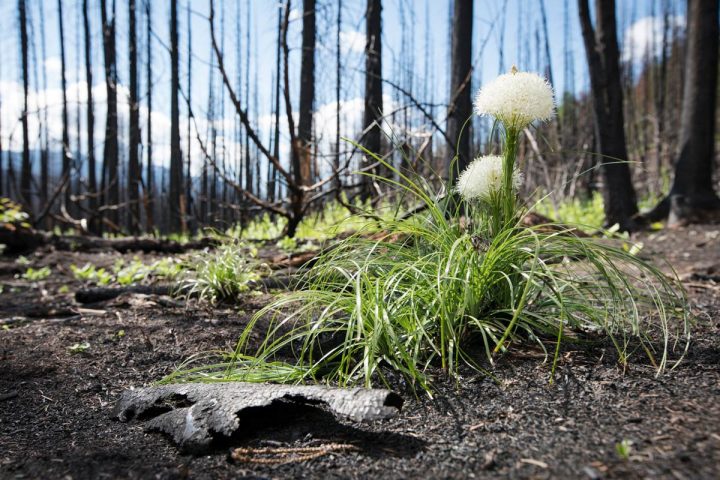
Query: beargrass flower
{"x": 483, "y": 178}
{"x": 516, "y": 99}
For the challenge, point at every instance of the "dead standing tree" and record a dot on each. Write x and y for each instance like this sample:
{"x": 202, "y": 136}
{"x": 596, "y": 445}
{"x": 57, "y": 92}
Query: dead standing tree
{"x": 177, "y": 198}
{"x": 601, "y": 48}
{"x": 692, "y": 196}
{"x": 301, "y": 195}
{"x": 25, "y": 168}
{"x": 460, "y": 106}
{"x": 373, "y": 89}
{"x": 110, "y": 181}
{"x": 134, "y": 180}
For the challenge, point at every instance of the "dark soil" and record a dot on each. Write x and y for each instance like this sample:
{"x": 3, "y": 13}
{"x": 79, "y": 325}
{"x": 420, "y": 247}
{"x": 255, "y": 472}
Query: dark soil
{"x": 55, "y": 404}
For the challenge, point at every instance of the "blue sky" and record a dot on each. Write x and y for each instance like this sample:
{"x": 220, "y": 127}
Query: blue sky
{"x": 427, "y": 58}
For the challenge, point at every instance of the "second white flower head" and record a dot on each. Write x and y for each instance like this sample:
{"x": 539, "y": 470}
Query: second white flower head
{"x": 516, "y": 99}
{"x": 483, "y": 177}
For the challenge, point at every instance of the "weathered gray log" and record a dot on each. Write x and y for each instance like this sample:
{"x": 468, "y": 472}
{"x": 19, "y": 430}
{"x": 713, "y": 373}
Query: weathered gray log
{"x": 195, "y": 413}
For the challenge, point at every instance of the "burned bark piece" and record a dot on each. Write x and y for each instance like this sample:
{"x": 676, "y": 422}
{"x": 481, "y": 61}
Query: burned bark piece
{"x": 195, "y": 413}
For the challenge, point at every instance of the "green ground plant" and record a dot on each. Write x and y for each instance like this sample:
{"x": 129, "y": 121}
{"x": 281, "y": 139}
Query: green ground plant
{"x": 458, "y": 284}
{"x": 36, "y": 274}
{"x": 11, "y": 213}
{"x": 220, "y": 274}
{"x": 128, "y": 273}
{"x": 586, "y": 213}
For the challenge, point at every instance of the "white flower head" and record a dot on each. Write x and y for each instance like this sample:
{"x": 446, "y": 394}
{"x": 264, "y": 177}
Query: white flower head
{"x": 516, "y": 99}
{"x": 483, "y": 177}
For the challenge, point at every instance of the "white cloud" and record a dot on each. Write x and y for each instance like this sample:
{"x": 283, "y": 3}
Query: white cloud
{"x": 53, "y": 65}
{"x": 295, "y": 14}
{"x": 645, "y": 37}
{"x": 352, "y": 41}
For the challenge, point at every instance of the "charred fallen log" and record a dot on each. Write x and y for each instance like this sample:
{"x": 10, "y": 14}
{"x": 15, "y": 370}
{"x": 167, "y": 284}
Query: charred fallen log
{"x": 19, "y": 239}
{"x": 194, "y": 414}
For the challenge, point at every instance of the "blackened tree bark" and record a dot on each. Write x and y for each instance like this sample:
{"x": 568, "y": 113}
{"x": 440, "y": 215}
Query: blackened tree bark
{"x": 66, "y": 157}
{"x": 276, "y": 129}
{"x": 373, "y": 87}
{"x": 149, "y": 181}
{"x": 176, "y": 168}
{"x": 460, "y": 105}
{"x": 44, "y": 136}
{"x": 338, "y": 88}
{"x": 301, "y": 151}
{"x": 2, "y": 172}
{"x": 307, "y": 94}
{"x": 601, "y": 49}
{"x": 25, "y": 168}
{"x": 110, "y": 186}
{"x": 692, "y": 197}
{"x": 90, "y": 111}
{"x": 133, "y": 219}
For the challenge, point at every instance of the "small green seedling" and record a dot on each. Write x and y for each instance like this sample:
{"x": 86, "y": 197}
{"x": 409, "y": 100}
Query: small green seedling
{"x": 624, "y": 448}
{"x": 36, "y": 274}
{"x": 89, "y": 272}
{"x": 78, "y": 348}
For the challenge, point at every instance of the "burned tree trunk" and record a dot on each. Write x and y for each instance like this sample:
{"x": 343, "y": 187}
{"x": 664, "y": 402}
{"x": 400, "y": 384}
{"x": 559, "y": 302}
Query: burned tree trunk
{"x": 92, "y": 169}
{"x": 460, "y": 105}
{"x": 149, "y": 184}
{"x": 373, "y": 87}
{"x": 307, "y": 93}
{"x": 692, "y": 197}
{"x": 110, "y": 185}
{"x": 177, "y": 199}
{"x": 601, "y": 49}
{"x": 66, "y": 157}
{"x": 25, "y": 168}
{"x": 133, "y": 177}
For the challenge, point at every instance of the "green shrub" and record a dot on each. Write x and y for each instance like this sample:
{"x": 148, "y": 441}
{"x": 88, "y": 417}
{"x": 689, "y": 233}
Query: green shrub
{"x": 220, "y": 274}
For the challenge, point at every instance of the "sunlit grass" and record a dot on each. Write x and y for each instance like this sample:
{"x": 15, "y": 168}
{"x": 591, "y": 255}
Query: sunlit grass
{"x": 222, "y": 273}
{"x": 434, "y": 290}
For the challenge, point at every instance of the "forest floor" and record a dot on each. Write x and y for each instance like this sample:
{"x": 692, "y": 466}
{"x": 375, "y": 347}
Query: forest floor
{"x": 63, "y": 365}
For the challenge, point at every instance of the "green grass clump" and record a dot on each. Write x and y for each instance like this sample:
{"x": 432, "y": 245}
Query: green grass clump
{"x": 446, "y": 289}
{"x": 220, "y": 274}
{"x": 457, "y": 284}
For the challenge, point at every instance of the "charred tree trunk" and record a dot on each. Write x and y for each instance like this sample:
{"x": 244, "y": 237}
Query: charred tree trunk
{"x": 188, "y": 173}
{"x": 45, "y": 147}
{"x": 601, "y": 48}
{"x": 66, "y": 157}
{"x": 25, "y": 168}
{"x": 301, "y": 141}
{"x": 692, "y": 197}
{"x": 460, "y": 105}
{"x": 133, "y": 219}
{"x": 307, "y": 93}
{"x": 110, "y": 183}
{"x": 177, "y": 199}
{"x": 276, "y": 135}
{"x": 149, "y": 183}
{"x": 338, "y": 88}
{"x": 92, "y": 168}
{"x": 373, "y": 88}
